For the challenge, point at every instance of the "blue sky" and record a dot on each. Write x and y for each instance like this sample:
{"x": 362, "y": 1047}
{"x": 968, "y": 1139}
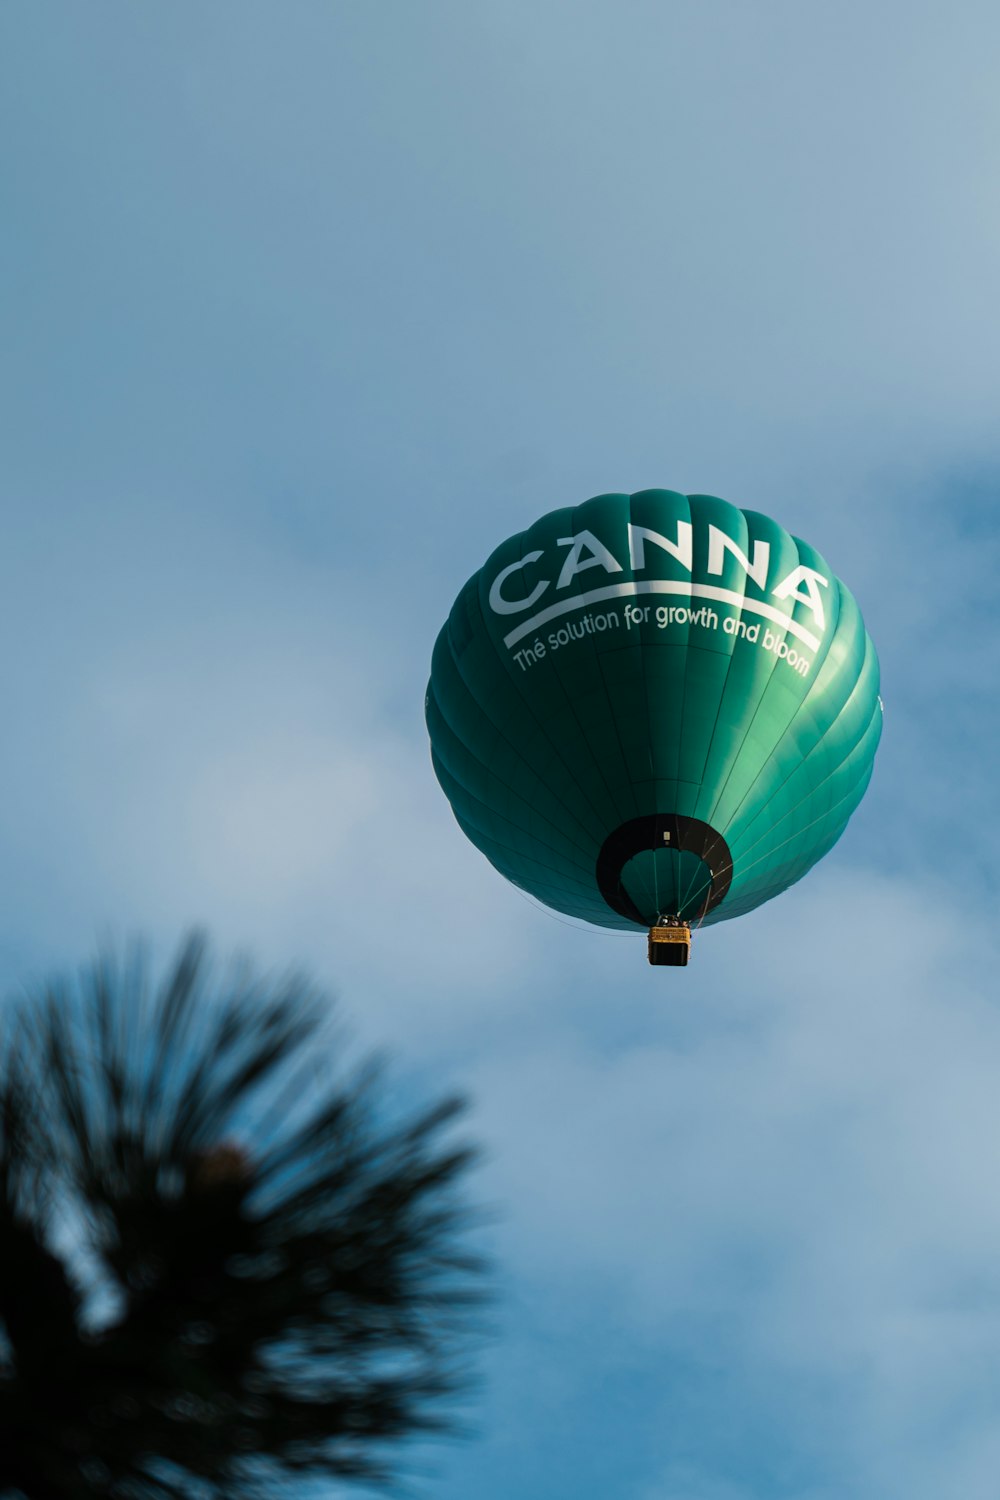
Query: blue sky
{"x": 304, "y": 308}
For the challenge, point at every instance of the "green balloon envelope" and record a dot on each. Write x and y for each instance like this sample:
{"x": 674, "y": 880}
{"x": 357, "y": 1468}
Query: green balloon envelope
{"x": 654, "y": 704}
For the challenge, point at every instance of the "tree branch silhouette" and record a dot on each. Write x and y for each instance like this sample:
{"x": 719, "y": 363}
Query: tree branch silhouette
{"x": 221, "y": 1267}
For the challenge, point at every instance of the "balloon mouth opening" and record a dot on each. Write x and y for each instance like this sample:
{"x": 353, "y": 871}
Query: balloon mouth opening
{"x": 665, "y": 883}
{"x": 664, "y": 863}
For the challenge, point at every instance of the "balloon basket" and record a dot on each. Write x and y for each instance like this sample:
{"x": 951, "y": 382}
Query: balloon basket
{"x": 670, "y": 943}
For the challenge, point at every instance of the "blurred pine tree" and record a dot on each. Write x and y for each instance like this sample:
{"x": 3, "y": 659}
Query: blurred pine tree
{"x": 221, "y": 1268}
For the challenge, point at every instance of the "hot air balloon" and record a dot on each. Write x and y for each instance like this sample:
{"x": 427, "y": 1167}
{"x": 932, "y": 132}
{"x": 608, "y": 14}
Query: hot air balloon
{"x": 654, "y": 711}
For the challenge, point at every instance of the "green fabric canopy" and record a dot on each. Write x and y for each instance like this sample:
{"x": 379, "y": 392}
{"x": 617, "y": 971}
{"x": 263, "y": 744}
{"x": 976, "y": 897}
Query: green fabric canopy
{"x": 654, "y": 704}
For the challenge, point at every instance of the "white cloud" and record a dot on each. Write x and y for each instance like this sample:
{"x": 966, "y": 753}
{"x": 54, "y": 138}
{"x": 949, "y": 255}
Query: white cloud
{"x": 810, "y": 1192}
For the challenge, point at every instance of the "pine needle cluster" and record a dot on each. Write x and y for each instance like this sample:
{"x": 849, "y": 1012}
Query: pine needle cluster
{"x": 222, "y": 1267}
